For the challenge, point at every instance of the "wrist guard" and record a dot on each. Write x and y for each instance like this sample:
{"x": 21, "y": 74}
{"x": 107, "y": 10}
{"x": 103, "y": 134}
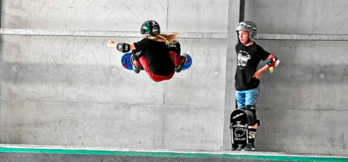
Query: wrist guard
{"x": 274, "y": 62}
{"x": 123, "y": 47}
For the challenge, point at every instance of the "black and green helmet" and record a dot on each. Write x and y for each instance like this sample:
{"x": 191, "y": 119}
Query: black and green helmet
{"x": 150, "y": 27}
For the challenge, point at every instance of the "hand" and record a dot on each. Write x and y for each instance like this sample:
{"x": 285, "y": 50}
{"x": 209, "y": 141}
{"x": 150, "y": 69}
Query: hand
{"x": 111, "y": 44}
{"x": 257, "y": 75}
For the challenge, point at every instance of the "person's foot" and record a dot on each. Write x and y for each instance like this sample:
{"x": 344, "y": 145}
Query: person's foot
{"x": 136, "y": 64}
{"x": 238, "y": 147}
{"x": 184, "y": 59}
{"x": 249, "y": 147}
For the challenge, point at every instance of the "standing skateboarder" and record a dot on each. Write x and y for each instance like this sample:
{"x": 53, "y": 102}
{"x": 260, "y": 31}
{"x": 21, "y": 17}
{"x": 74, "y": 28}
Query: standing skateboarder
{"x": 247, "y": 78}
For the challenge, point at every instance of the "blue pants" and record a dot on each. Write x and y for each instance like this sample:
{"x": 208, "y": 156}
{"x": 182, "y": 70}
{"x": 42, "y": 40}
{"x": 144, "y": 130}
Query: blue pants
{"x": 247, "y": 97}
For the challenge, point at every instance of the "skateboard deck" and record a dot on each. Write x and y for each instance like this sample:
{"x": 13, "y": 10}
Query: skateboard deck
{"x": 126, "y": 62}
{"x": 239, "y": 128}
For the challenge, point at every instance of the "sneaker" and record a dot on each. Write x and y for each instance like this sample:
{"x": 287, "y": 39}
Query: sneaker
{"x": 238, "y": 147}
{"x": 184, "y": 59}
{"x": 249, "y": 147}
{"x": 136, "y": 68}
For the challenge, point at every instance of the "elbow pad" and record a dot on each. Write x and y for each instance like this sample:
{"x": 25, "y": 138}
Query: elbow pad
{"x": 123, "y": 47}
{"x": 274, "y": 62}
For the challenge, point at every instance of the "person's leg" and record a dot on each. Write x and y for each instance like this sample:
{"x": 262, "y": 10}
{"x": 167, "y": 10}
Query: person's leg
{"x": 251, "y": 96}
{"x": 175, "y": 58}
{"x": 240, "y": 99}
{"x": 250, "y": 102}
{"x": 154, "y": 77}
{"x": 240, "y": 104}
{"x": 136, "y": 63}
{"x": 178, "y": 60}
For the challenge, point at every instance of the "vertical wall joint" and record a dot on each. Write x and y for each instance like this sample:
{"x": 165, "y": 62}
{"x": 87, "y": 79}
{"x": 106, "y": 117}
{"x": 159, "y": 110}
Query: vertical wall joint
{"x": 241, "y": 10}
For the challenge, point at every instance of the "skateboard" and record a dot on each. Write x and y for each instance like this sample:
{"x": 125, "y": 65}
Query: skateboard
{"x": 239, "y": 129}
{"x": 126, "y": 62}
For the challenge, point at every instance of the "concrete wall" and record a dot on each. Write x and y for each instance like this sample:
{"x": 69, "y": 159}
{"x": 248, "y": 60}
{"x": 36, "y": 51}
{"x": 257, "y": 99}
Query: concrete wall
{"x": 74, "y": 91}
{"x": 302, "y": 106}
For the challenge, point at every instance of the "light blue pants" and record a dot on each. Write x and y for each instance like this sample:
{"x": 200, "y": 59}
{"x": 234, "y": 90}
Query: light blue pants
{"x": 247, "y": 97}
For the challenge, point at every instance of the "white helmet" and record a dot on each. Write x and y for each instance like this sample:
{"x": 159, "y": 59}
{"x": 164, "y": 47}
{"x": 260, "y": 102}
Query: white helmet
{"x": 248, "y": 26}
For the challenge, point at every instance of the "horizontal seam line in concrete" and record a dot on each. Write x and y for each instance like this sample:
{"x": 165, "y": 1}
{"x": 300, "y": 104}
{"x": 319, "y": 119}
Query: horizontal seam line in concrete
{"x": 308, "y": 109}
{"x": 193, "y": 106}
{"x": 184, "y": 35}
{"x": 95, "y": 33}
{"x": 173, "y": 154}
{"x": 89, "y": 102}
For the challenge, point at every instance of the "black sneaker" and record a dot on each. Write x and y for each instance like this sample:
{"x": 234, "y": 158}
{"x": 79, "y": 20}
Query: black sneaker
{"x": 184, "y": 59}
{"x": 135, "y": 68}
{"x": 239, "y": 148}
{"x": 249, "y": 147}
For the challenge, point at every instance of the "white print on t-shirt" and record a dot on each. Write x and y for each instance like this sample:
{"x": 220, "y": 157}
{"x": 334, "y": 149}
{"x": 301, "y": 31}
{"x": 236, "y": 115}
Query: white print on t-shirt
{"x": 242, "y": 59}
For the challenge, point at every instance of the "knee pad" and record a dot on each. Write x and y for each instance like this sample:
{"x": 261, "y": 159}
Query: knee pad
{"x": 250, "y": 110}
{"x": 137, "y": 54}
{"x": 175, "y": 47}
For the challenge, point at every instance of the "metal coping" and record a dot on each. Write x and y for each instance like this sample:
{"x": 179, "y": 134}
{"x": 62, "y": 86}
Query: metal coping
{"x": 184, "y": 35}
{"x": 31, "y": 149}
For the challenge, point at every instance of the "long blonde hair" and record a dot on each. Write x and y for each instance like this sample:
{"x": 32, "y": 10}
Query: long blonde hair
{"x": 167, "y": 38}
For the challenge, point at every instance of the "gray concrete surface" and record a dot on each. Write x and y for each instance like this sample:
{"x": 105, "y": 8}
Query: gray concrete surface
{"x": 74, "y": 91}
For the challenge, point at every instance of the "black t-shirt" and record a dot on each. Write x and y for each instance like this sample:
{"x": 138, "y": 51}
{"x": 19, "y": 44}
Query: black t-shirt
{"x": 248, "y": 58}
{"x": 156, "y": 54}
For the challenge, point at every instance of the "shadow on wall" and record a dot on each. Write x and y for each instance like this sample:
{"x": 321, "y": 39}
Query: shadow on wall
{"x": 298, "y": 102}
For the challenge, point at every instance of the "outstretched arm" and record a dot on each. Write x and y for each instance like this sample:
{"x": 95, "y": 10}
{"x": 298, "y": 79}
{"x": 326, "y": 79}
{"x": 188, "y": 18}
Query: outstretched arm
{"x": 121, "y": 47}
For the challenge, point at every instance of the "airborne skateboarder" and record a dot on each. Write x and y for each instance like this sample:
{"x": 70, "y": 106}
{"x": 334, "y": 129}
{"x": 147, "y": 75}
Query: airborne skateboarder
{"x": 158, "y": 54}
